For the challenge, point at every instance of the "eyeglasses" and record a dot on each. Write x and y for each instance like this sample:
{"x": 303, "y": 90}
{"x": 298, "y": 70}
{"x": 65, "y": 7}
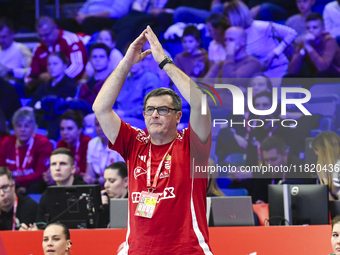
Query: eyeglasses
{"x": 163, "y": 110}
{"x": 6, "y": 188}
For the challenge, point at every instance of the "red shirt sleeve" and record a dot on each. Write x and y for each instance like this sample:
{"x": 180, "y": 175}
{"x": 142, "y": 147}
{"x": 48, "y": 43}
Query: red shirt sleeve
{"x": 3, "y": 151}
{"x": 126, "y": 138}
{"x": 35, "y": 68}
{"x": 76, "y": 52}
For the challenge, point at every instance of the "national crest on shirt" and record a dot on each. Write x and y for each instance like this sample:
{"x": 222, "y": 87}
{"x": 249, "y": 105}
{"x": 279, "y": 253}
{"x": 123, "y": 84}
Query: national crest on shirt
{"x": 167, "y": 167}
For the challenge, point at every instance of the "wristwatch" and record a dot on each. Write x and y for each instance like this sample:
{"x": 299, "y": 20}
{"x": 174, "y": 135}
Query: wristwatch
{"x": 166, "y": 60}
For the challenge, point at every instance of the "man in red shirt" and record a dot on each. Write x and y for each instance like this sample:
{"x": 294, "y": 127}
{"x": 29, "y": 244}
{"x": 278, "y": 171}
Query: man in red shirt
{"x": 167, "y": 202}
{"x": 26, "y": 154}
{"x": 55, "y": 39}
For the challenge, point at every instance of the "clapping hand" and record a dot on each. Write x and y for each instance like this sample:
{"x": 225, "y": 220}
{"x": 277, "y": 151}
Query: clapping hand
{"x": 308, "y": 38}
{"x": 156, "y": 47}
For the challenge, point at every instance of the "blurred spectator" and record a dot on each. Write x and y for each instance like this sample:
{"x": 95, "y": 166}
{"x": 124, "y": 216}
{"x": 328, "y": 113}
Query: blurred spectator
{"x": 142, "y": 13}
{"x": 107, "y": 37}
{"x": 9, "y": 99}
{"x": 99, "y": 58}
{"x": 262, "y": 39}
{"x": 138, "y": 84}
{"x": 63, "y": 169}
{"x": 217, "y": 25}
{"x": 59, "y": 85}
{"x": 318, "y": 54}
{"x": 260, "y": 83}
{"x": 197, "y": 14}
{"x": 234, "y": 139}
{"x": 26, "y": 154}
{"x": 275, "y": 154}
{"x": 335, "y": 234}
{"x": 298, "y": 21}
{"x": 15, "y": 209}
{"x": 157, "y": 14}
{"x": 331, "y": 16}
{"x": 213, "y": 190}
{"x": 96, "y": 15}
{"x": 15, "y": 58}
{"x": 4, "y": 130}
{"x": 151, "y": 65}
{"x": 272, "y": 9}
{"x": 116, "y": 186}
{"x": 262, "y": 101}
{"x": 54, "y": 39}
{"x": 57, "y": 238}
{"x": 293, "y": 136}
{"x": 99, "y": 156}
{"x": 71, "y": 131}
{"x": 326, "y": 146}
{"x": 193, "y": 60}
{"x": 238, "y": 64}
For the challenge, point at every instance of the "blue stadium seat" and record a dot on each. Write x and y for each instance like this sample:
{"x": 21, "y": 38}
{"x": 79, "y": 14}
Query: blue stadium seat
{"x": 235, "y": 192}
{"x": 223, "y": 183}
{"x": 35, "y": 197}
{"x": 236, "y": 159}
{"x": 325, "y": 104}
{"x": 25, "y": 101}
{"x": 320, "y": 5}
{"x": 321, "y": 89}
{"x": 54, "y": 143}
{"x": 40, "y": 131}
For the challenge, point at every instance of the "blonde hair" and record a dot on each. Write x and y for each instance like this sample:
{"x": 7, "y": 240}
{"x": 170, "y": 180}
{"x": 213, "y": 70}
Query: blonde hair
{"x": 327, "y": 145}
{"x": 213, "y": 189}
{"x": 238, "y": 14}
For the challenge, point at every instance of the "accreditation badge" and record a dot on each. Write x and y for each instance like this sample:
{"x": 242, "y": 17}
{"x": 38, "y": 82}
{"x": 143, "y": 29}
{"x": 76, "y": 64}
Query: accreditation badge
{"x": 147, "y": 204}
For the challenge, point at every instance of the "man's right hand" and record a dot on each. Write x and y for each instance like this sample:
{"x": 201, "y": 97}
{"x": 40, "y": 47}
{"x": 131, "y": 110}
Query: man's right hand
{"x": 135, "y": 52}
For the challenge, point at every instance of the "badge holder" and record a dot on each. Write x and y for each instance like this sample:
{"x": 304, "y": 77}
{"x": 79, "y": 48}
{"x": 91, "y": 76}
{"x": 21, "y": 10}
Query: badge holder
{"x": 146, "y": 205}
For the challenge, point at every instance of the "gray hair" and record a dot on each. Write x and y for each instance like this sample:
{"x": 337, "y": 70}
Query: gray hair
{"x": 176, "y": 100}
{"x": 23, "y": 113}
{"x": 238, "y": 14}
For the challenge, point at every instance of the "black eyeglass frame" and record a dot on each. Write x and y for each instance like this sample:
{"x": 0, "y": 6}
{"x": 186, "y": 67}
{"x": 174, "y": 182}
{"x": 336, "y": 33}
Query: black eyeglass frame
{"x": 7, "y": 186}
{"x": 157, "y": 108}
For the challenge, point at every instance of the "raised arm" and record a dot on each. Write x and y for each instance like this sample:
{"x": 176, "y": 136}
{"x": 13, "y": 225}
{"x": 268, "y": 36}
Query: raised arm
{"x": 201, "y": 124}
{"x": 102, "y": 106}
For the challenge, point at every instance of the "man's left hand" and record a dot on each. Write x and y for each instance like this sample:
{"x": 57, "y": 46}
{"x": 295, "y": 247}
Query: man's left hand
{"x": 308, "y": 38}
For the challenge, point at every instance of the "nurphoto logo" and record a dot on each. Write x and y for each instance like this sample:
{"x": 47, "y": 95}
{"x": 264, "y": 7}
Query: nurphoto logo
{"x": 238, "y": 107}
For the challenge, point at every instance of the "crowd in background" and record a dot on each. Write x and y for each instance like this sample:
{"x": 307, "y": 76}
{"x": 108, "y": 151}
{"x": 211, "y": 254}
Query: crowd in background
{"x": 60, "y": 78}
